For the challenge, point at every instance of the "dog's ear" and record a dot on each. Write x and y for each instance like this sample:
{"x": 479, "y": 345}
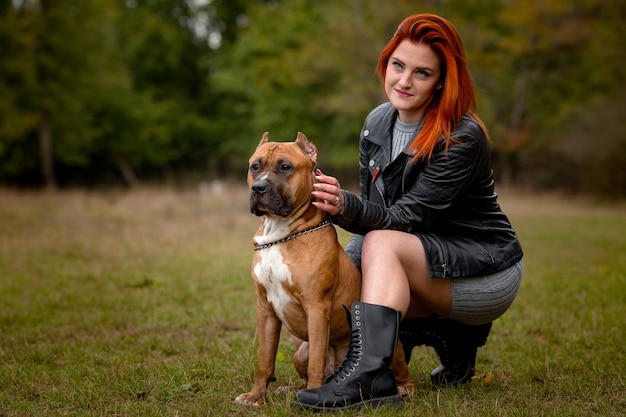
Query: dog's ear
{"x": 307, "y": 147}
{"x": 264, "y": 139}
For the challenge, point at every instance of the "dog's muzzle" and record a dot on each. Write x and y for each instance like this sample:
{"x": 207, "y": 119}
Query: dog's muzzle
{"x": 264, "y": 198}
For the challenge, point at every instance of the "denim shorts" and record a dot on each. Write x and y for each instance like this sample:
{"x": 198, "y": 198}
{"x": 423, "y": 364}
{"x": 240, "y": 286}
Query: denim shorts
{"x": 479, "y": 300}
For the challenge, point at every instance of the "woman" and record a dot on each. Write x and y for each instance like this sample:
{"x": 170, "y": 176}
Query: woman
{"x": 433, "y": 245}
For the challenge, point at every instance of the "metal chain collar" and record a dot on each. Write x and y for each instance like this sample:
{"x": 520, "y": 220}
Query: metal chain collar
{"x": 293, "y": 236}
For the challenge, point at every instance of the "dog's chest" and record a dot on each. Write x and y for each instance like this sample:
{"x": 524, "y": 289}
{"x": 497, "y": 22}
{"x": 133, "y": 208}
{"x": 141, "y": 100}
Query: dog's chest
{"x": 273, "y": 273}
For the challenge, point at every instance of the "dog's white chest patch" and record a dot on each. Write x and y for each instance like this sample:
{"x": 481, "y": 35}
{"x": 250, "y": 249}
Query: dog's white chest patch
{"x": 271, "y": 271}
{"x": 273, "y": 230}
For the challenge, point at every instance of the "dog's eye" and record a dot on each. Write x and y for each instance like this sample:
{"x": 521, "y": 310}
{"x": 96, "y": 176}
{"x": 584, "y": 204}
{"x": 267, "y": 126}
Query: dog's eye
{"x": 254, "y": 167}
{"x": 285, "y": 167}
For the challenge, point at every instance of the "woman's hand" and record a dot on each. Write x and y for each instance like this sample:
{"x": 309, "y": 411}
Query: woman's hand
{"x": 328, "y": 193}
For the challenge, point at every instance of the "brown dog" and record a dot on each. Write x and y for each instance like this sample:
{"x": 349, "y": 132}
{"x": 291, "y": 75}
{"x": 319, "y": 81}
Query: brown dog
{"x": 302, "y": 275}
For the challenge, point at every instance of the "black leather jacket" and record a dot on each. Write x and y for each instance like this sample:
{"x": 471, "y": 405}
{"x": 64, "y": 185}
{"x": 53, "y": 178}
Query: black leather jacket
{"x": 448, "y": 202}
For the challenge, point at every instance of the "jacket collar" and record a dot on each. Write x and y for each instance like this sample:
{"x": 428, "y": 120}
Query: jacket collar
{"x": 378, "y": 127}
{"x": 379, "y": 124}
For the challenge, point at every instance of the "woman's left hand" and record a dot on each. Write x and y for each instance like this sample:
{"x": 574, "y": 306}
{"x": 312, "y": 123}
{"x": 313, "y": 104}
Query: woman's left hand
{"x": 328, "y": 193}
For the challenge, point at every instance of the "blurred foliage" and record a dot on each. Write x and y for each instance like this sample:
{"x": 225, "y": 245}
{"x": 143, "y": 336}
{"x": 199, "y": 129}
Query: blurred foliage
{"x": 108, "y": 91}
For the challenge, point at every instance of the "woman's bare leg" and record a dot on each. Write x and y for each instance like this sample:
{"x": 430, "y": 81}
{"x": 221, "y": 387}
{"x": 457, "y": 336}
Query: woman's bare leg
{"x": 395, "y": 275}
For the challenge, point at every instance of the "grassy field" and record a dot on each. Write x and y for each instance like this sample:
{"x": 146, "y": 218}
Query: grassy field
{"x": 140, "y": 304}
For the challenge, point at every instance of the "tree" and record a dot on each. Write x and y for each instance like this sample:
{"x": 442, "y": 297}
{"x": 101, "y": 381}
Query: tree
{"x": 103, "y": 84}
{"x": 310, "y": 67}
{"x": 94, "y": 91}
{"x": 62, "y": 64}
{"x": 18, "y": 116}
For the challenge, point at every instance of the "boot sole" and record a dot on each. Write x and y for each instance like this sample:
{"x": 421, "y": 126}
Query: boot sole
{"x": 394, "y": 401}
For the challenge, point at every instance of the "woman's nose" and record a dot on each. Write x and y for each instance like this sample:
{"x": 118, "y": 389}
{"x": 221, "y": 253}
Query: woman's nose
{"x": 405, "y": 80}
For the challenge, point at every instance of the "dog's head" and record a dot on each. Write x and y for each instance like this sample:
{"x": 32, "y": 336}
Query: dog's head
{"x": 281, "y": 175}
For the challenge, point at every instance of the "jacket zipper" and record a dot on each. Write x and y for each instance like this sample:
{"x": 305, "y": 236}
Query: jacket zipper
{"x": 444, "y": 264}
{"x": 375, "y": 176}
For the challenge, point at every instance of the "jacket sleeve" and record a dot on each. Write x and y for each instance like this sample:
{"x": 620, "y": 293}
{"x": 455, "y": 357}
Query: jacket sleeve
{"x": 442, "y": 181}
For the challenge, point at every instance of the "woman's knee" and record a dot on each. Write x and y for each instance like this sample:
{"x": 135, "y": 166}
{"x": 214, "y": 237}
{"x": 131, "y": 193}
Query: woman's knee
{"x": 374, "y": 239}
{"x": 385, "y": 241}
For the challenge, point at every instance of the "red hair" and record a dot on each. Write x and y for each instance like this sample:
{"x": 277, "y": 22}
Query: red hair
{"x": 457, "y": 97}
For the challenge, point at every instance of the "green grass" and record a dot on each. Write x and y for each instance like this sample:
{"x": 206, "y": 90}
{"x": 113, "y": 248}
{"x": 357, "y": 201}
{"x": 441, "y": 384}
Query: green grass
{"x": 140, "y": 304}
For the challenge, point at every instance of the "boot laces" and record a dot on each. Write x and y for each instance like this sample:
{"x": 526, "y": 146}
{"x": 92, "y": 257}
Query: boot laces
{"x": 352, "y": 360}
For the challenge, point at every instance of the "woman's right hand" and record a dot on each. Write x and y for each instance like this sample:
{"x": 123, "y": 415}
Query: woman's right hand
{"x": 327, "y": 192}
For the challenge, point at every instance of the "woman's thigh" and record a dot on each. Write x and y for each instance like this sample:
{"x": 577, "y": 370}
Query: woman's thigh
{"x": 395, "y": 273}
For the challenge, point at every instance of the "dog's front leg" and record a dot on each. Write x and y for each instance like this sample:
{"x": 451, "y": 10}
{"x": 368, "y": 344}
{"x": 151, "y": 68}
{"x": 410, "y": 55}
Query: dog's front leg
{"x": 268, "y": 326}
{"x": 401, "y": 372}
{"x": 319, "y": 335}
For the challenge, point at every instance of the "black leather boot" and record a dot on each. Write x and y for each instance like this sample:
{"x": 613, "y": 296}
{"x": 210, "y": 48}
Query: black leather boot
{"x": 365, "y": 376}
{"x": 456, "y": 345}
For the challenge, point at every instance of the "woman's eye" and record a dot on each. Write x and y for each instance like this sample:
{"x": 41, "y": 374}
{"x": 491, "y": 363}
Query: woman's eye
{"x": 396, "y": 65}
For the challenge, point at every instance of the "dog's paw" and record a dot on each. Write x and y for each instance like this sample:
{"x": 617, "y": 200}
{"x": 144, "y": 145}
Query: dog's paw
{"x": 407, "y": 389}
{"x": 249, "y": 398}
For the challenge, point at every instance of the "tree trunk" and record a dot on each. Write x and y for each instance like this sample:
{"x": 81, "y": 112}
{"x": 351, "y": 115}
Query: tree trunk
{"x": 126, "y": 171}
{"x": 47, "y": 158}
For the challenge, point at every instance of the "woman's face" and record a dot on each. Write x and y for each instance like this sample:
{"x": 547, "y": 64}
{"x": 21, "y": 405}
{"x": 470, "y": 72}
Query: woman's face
{"x": 412, "y": 77}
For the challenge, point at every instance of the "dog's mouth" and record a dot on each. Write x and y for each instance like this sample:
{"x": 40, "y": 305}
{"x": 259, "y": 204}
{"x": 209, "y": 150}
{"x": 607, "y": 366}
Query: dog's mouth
{"x": 258, "y": 209}
{"x": 268, "y": 203}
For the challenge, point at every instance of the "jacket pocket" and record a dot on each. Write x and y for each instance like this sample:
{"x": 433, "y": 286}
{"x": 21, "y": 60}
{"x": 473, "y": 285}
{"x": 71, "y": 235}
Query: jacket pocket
{"x": 488, "y": 252}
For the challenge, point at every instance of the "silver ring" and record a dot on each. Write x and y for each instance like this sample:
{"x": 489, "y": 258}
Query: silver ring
{"x": 336, "y": 200}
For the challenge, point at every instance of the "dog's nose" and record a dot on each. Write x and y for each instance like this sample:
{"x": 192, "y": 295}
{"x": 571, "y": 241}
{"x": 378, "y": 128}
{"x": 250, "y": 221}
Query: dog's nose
{"x": 260, "y": 187}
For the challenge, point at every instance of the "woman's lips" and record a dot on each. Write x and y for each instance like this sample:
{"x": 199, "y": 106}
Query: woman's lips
{"x": 402, "y": 93}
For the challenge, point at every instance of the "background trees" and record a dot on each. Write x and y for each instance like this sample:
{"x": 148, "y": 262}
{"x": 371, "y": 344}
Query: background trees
{"x": 110, "y": 91}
